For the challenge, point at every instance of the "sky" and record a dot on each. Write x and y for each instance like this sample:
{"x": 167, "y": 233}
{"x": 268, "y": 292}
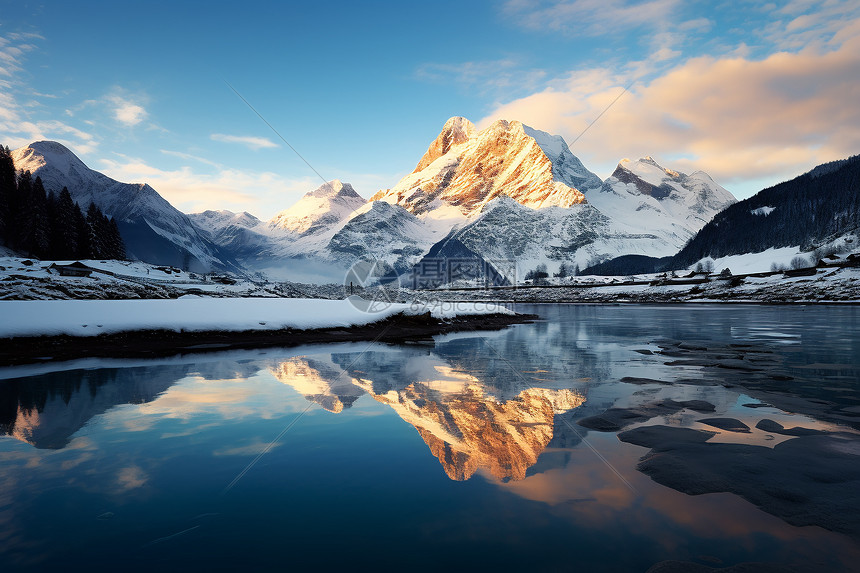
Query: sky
{"x": 752, "y": 93}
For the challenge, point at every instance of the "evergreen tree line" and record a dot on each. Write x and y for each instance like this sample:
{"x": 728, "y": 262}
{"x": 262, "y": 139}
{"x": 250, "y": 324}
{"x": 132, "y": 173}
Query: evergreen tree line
{"x": 50, "y": 226}
{"x": 806, "y": 211}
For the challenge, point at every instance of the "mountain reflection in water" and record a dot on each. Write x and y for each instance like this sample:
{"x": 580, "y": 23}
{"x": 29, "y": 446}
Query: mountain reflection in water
{"x": 126, "y": 462}
{"x": 465, "y": 426}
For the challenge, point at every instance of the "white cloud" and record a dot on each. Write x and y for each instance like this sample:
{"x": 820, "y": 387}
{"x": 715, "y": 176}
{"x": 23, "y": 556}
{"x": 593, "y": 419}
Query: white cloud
{"x": 126, "y": 111}
{"x": 248, "y": 141}
{"x": 736, "y": 118}
{"x": 191, "y": 190}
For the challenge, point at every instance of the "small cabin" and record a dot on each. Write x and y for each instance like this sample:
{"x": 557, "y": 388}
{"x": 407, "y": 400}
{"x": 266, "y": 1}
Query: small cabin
{"x": 76, "y": 269}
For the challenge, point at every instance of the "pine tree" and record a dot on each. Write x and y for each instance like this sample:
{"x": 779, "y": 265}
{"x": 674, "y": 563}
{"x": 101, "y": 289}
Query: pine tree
{"x": 40, "y": 241}
{"x": 95, "y": 221}
{"x": 23, "y": 215}
{"x": 117, "y": 244}
{"x": 82, "y": 232}
{"x": 8, "y": 189}
{"x": 65, "y": 230}
{"x": 54, "y": 241}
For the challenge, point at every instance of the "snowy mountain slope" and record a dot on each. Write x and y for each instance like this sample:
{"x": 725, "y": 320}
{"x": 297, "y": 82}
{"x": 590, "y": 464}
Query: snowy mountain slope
{"x": 641, "y": 209}
{"x": 331, "y": 226}
{"x": 646, "y": 196}
{"x": 809, "y": 211}
{"x": 515, "y": 238}
{"x": 385, "y": 232}
{"x": 152, "y": 228}
{"x": 328, "y": 205}
{"x": 240, "y": 234}
{"x": 456, "y": 130}
{"x": 302, "y": 230}
{"x": 468, "y": 169}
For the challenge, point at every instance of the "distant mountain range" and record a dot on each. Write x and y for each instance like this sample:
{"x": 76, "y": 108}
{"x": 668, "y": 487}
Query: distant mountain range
{"x": 513, "y": 196}
{"x": 516, "y": 195}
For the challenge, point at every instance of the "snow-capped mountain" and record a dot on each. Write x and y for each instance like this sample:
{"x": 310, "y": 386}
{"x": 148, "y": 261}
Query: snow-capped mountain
{"x": 318, "y": 210}
{"x": 641, "y": 209}
{"x": 331, "y": 226}
{"x": 467, "y": 168}
{"x": 514, "y": 195}
{"x": 153, "y": 230}
{"x": 645, "y": 195}
{"x": 239, "y": 234}
{"x": 386, "y": 233}
{"x": 525, "y": 199}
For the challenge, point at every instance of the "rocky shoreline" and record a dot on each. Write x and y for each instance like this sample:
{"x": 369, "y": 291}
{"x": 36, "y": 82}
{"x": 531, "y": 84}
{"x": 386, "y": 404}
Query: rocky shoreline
{"x": 829, "y": 286}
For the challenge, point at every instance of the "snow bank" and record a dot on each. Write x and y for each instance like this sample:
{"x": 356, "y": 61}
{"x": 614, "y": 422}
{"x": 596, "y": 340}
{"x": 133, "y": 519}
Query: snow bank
{"x": 94, "y": 317}
{"x": 757, "y": 262}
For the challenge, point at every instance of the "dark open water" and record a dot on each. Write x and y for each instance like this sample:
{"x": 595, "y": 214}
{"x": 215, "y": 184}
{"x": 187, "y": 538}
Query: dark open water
{"x": 459, "y": 455}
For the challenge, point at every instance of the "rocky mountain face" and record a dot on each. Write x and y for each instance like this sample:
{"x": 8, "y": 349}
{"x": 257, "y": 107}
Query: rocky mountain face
{"x": 387, "y": 233}
{"x": 468, "y": 169}
{"x": 153, "y": 230}
{"x": 528, "y": 200}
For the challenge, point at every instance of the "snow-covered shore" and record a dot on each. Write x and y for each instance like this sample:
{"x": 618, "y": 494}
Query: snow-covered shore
{"x": 95, "y": 317}
{"x": 827, "y": 285}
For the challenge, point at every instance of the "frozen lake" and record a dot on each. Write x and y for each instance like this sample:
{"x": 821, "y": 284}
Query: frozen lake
{"x": 474, "y": 451}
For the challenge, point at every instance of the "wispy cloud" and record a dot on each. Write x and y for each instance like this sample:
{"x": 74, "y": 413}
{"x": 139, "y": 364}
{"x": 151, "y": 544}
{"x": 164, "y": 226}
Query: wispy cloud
{"x": 593, "y": 17}
{"x": 248, "y": 141}
{"x": 19, "y": 123}
{"x": 188, "y": 156}
{"x": 12, "y": 54}
{"x": 813, "y": 24}
{"x": 504, "y": 74}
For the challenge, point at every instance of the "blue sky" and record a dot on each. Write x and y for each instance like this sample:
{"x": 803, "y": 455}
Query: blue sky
{"x": 752, "y": 93}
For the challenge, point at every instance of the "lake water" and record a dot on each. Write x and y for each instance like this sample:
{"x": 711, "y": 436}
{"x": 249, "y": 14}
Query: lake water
{"x": 460, "y": 454}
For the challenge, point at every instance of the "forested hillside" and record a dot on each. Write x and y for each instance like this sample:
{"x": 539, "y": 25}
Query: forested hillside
{"x": 50, "y": 226}
{"x": 809, "y": 209}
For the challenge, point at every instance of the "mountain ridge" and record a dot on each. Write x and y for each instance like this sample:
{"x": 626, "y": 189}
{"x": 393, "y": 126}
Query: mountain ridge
{"x": 469, "y": 168}
{"x": 152, "y": 228}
